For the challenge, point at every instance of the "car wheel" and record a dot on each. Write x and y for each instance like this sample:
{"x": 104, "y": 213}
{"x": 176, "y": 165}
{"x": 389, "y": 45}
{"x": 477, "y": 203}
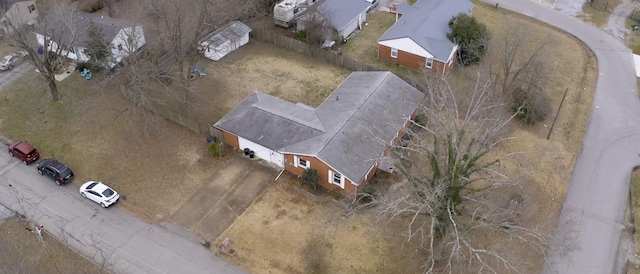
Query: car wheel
{"x": 10, "y": 67}
{"x": 40, "y": 171}
{"x": 103, "y": 205}
{"x": 58, "y": 183}
{"x": 25, "y": 162}
{"x": 83, "y": 195}
{"x": 11, "y": 153}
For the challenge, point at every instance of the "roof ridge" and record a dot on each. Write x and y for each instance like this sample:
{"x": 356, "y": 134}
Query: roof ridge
{"x": 339, "y": 129}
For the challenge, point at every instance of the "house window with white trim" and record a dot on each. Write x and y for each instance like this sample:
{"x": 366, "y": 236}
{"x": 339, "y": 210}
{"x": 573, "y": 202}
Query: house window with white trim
{"x": 299, "y": 162}
{"x": 32, "y": 8}
{"x": 429, "y": 63}
{"x": 336, "y": 179}
{"x": 394, "y": 53}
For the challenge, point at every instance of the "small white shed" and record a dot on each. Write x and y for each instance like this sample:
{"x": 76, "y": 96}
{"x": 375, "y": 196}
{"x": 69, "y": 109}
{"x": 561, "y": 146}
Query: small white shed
{"x": 225, "y": 40}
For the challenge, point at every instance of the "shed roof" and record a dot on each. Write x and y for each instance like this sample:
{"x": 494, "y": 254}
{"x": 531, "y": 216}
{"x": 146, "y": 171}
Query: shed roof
{"x": 339, "y": 13}
{"x": 427, "y": 24}
{"x": 234, "y": 30}
{"x": 348, "y": 131}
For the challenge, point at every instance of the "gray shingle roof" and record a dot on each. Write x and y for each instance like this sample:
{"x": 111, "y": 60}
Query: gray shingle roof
{"x": 232, "y": 31}
{"x": 339, "y": 12}
{"x": 426, "y": 23}
{"x": 348, "y": 131}
{"x": 64, "y": 24}
{"x": 5, "y": 5}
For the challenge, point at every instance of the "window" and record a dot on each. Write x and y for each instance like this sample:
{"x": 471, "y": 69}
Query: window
{"x": 32, "y": 8}
{"x": 120, "y": 47}
{"x": 429, "y": 63}
{"x": 336, "y": 179}
{"x": 299, "y": 162}
{"x": 394, "y": 53}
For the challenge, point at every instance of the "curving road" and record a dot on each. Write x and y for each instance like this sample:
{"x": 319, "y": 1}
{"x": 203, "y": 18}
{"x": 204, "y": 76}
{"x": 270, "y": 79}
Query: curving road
{"x": 592, "y": 216}
{"x": 121, "y": 243}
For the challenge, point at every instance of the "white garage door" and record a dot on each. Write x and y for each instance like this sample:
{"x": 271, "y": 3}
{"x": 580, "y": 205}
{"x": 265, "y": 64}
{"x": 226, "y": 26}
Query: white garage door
{"x": 262, "y": 152}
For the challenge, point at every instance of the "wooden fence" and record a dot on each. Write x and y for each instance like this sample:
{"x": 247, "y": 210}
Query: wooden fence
{"x": 168, "y": 113}
{"x": 328, "y": 56}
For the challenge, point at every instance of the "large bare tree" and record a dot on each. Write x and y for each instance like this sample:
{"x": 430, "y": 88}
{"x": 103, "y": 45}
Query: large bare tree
{"x": 57, "y": 34}
{"x": 178, "y": 25}
{"x": 519, "y": 58}
{"x": 454, "y": 193}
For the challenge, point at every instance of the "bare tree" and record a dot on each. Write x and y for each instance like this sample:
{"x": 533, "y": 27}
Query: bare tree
{"x": 56, "y": 37}
{"x": 454, "y": 194}
{"x": 519, "y": 58}
{"x": 179, "y": 25}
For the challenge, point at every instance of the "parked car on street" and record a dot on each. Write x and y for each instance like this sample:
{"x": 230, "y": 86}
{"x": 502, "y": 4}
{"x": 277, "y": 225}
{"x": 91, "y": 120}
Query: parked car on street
{"x": 12, "y": 60}
{"x": 24, "y": 151}
{"x": 99, "y": 193}
{"x": 60, "y": 173}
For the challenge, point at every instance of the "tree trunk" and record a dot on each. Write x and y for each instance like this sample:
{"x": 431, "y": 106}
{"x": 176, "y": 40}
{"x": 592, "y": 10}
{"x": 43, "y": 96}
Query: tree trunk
{"x": 53, "y": 88}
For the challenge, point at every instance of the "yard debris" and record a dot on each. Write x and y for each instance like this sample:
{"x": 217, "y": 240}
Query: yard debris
{"x": 227, "y": 248}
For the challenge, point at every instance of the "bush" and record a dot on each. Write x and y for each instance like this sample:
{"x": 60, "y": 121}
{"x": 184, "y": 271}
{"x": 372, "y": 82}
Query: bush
{"x": 216, "y": 149}
{"x": 311, "y": 178}
{"x": 301, "y": 35}
{"x": 471, "y": 36}
{"x": 90, "y": 5}
{"x": 531, "y": 105}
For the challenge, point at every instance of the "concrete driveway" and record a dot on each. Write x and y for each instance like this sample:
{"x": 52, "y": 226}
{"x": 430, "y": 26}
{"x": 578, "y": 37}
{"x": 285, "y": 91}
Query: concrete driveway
{"x": 227, "y": 193}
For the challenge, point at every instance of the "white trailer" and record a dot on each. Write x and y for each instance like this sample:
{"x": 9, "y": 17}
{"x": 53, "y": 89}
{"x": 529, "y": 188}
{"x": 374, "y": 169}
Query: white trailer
{"x": 285, "y": 11}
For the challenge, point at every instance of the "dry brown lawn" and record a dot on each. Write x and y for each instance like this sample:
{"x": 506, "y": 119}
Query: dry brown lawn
{"x": 271, "y": 237}
{"x": 22, "y": 252}
{"x": 96, "y": 132}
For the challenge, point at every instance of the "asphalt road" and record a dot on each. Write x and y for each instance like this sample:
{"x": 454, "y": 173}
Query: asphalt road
{"x": 7, "y": 77}
{"x": 592, "y": 216}
{"x": 112, "y": 237}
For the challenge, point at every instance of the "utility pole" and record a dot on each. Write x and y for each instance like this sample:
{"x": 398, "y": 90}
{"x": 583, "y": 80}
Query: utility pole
{"x": 558, "y": 112}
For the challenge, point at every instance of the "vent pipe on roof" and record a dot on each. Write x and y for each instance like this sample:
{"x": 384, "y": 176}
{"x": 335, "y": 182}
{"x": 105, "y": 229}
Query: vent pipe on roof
{"x": 102, "y": 16}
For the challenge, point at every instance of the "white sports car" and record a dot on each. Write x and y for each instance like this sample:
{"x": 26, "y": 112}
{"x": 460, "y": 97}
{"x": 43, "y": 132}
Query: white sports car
{"x": 99, "y": 193}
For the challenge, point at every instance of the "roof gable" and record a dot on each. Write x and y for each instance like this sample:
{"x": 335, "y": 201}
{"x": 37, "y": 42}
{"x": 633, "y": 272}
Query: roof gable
{"x": 64, "y": 25}
{"x": 5, "y": 5}
{"x": 233, "y": 31}
{"x": 427, "y": 23}
{"x": 348, "y": 131}
{"x": 339, "y": 13}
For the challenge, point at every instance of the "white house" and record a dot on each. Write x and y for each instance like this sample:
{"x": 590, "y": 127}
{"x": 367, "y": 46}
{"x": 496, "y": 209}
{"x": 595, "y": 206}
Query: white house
{"x": 224, "y": 40}
{"x": 70, "y": 29}
{"x": 15, "y": 14}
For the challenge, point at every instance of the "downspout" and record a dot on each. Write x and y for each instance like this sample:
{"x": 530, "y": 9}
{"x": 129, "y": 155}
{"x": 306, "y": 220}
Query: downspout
{"x": 355, "y": 195}
{"x": 443, "y": 69}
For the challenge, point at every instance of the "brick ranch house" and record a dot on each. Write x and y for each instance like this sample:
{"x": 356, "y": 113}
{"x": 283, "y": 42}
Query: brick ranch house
{"x": 418, "y": 39}
{"x": 343, "y": 139}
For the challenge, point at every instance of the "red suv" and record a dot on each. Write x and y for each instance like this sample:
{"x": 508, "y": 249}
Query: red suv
{"x": 23, "y": 151}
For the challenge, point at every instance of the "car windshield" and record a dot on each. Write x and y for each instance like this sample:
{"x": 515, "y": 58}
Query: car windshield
{"x": 108, "y": 192}
{"x": 5, "y": 60}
